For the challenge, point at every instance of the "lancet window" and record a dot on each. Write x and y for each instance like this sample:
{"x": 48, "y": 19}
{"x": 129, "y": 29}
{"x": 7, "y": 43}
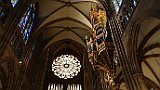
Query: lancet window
{"x": 14, "y": 2}
{"x": 117, "y": 4}
{"x": 26, "y": 22}
{"x": 3, "y": 10}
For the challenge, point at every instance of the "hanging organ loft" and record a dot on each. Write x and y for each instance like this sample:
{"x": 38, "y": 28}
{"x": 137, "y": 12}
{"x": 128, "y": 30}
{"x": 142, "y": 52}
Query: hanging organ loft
{"x": 99, "y": 46}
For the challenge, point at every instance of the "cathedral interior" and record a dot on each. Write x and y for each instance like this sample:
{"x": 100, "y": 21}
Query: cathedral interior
{"x": 79, "y": 45}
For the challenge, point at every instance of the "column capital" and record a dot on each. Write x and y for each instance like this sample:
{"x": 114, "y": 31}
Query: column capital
{"x": 140, "y": 81}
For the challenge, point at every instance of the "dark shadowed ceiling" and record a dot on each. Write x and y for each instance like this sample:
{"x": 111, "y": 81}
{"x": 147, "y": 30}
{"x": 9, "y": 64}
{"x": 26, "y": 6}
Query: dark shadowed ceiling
{"x": 65, "y": 19}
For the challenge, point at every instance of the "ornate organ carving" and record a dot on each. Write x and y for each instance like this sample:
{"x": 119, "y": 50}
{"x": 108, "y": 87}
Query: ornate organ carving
{"x": 100, "y": 50}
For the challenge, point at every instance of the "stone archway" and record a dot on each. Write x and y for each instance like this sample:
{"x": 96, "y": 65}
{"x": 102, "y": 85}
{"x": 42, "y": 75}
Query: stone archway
{"x": 142, "y": 33}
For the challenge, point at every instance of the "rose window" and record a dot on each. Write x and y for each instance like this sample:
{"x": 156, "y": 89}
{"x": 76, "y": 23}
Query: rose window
{"x": 66, "y": 66}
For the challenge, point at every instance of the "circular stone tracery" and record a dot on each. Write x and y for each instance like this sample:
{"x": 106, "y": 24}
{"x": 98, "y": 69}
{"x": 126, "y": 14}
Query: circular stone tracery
{"x": 66, "y": 66}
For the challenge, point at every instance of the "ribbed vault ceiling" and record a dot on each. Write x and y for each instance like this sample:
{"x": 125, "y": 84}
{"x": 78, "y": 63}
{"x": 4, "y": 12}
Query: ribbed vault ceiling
{"x": 65, "y": 19}
{"x": 149, "y": 44}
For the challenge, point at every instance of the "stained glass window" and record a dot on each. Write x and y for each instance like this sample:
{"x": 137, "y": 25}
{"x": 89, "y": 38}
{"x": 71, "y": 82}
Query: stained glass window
{"x": 3, "y": 10}
{"x": 134, "y": 2}
{"x": 117, "y": 4}
{"x": 66, "y": 66}
{"x": 14, "y": 2}
{"x": 26, "y": 22}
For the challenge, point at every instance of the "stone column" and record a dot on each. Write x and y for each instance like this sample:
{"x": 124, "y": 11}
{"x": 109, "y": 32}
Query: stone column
{"x": 126, "y": 68}
{"x": 139, "y": 79}
{"x": 134, "y": 80}
{"x": 88, "y": 83}
{"x": 41, "y": 70}
{"x": 10, "y": 76}
{"x": 23, "y": 69}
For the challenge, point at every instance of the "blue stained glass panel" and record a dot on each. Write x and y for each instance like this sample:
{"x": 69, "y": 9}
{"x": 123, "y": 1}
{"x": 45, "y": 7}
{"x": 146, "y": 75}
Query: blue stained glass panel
{"x": 26, "y": 22}
{"x": 117, "y": 4}
{"x": 3, "y": 11}
{"x": 14, "y": 2}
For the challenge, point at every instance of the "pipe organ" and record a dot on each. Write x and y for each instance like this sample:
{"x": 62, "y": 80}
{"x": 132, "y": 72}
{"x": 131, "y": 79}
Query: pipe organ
{"x": 61, "y": 87}
{"x": 100, "y": 48}
{"x": 74, "y": 87}
{"x": 55, "y": 87}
